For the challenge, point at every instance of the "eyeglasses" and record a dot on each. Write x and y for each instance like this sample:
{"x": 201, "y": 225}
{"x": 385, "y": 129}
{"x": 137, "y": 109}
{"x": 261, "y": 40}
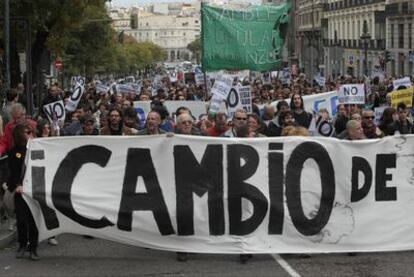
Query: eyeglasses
{"x": 241, "y": 118}
{"x": 369, "y": 117}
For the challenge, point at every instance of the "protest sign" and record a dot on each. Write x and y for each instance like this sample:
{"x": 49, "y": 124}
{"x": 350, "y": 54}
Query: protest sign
{"x": 320, "y": 80}
{"x": 404, "y": 95}
{"x": 378, "y": 112}
{"x": 75, "y": 80}
{"x": 125, "y": 88}
{"x": 222, "y": 86}
{"x": 351, "y": 94}
{"x": 244, "y": 38}
{"x": 315, "y": 102}
{"x": 239, "y": 98}
{"x": 173, "y": 76}
{"x": 285, "y": 76}
{"x": 76, "y": 95}
{"x": 225, "y": 195}
{"x": 266, "y": 78}
{"x": 274, "y": 74}
{"x": 403, "y": 82}
{"x": 199, "y": 79}
{"x": 55, "y": 111}
{"x": 320, "y": 127}
{"x": 101, "y": 88}
{"x": 378, "y": 72}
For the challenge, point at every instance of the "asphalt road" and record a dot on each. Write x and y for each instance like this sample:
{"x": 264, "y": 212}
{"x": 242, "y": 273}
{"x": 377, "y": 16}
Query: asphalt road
{"x": 78, "y": 256}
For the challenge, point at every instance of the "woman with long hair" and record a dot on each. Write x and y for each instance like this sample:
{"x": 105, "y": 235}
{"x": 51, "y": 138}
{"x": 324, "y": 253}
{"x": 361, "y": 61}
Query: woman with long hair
{"x": 302, "y": 117}
{"x": 388, "y": 117}
{"x": 26, "y": 226}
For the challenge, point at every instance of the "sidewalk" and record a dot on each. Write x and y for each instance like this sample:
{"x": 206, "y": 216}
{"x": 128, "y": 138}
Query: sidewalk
{"x": 6, "y": 236}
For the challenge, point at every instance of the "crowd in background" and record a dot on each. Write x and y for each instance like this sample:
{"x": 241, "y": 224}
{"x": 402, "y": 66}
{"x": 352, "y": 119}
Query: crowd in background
{"x": 103, "y": 113}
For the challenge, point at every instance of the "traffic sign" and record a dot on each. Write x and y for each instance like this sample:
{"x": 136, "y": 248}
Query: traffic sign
{"x": 58, "y": 65}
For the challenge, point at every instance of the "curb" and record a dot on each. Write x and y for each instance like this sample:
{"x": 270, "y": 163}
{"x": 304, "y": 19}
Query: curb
{"x": 7, "y": 237}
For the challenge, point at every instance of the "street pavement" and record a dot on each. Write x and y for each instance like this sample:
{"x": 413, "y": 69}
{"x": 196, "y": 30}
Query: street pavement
{"x": 79, "y": 256}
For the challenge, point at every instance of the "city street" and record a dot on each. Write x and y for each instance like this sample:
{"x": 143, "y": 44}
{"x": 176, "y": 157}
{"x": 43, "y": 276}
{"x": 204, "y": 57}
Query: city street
{"x": 79, "y": 256}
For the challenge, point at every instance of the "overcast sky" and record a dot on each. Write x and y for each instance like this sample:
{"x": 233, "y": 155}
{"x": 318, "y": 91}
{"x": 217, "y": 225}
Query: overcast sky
{"x": 128, "y": 3}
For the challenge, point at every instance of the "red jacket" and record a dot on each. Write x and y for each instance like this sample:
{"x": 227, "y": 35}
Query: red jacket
{"x": 6, "y": 141}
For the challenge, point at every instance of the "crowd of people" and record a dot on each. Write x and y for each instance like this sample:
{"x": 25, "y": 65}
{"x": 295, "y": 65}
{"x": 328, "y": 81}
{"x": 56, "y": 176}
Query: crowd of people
{"x": 103, "y": 113}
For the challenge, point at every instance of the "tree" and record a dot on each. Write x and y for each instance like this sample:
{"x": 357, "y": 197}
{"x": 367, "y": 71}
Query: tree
{"x": 51, "y": 22}
{"x": 195, "y": 48}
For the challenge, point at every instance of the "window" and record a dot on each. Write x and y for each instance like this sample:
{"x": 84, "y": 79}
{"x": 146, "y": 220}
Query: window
{"x": 410, "y": 39}
{"x": 392, "y": 35}
{"x": 146, "y": 24}
{"x": 400, "y": 35}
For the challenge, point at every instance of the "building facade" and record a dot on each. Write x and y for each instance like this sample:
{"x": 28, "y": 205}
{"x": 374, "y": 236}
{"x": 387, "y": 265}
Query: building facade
{"x": 171, "y": 32}
{"x": 345, "y": 42}
{"x": 309, "y": 37}
{"x": 400, "y": 37}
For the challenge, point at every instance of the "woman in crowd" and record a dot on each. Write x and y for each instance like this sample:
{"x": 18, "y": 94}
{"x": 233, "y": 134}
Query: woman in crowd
{"x": 255, "y": 125}
{"x": 388, "y": 117}
{"x": 26, "y": 226}
{"x": 302, "y": 117}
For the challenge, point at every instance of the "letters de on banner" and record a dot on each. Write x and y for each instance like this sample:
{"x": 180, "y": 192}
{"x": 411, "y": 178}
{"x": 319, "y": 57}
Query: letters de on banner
{"x": 351, "y": 94}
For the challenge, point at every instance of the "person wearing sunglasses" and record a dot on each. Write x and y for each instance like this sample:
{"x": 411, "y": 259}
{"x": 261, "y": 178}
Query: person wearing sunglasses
{"x": 26, "y": 226}
{"x": 238, "y": 122}
{"x": 371, "y": 130}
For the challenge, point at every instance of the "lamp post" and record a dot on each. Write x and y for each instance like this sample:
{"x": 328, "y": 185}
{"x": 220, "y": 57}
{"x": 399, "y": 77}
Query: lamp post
{"x": 7, "y": 41}
{"x": 365, "y": 37}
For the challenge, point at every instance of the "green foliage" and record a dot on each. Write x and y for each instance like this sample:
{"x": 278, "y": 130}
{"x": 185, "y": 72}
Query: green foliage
{"x": 195, "y": 47}
{"x": 80, "y": 33}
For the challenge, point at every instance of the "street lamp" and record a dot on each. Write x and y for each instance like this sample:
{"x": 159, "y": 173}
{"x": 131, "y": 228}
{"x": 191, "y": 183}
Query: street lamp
{"x": 365, "y": 37}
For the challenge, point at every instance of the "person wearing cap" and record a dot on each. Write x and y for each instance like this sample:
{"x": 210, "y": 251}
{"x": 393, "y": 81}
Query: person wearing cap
{"x": 88, "y": 126}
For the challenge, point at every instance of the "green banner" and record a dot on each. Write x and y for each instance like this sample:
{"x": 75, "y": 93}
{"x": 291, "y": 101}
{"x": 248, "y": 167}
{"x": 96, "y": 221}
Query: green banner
{"x": 247, "y": 38}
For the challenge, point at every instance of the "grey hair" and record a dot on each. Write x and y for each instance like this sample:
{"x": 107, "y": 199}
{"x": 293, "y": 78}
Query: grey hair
{"x": 17, "y": 107}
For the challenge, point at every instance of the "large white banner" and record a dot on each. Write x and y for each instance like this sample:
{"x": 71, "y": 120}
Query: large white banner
{"x": 222, "y": 195}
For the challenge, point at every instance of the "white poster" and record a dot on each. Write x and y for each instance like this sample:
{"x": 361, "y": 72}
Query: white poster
{"x": 76, "y": 95}
{"x": 226, "y": 195}
{"x": 222, "y": 86}
{"x": 285, "y": 76}
{"x": 239, "y": 98}
{"x": 101, "y": 88}
{"x": 55, "y": 111}
{"x": 403, "y": 82}
{"x": 379, "y": 111}
{"x": 351, "y": 94}
{"x": 320, "y": 80}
